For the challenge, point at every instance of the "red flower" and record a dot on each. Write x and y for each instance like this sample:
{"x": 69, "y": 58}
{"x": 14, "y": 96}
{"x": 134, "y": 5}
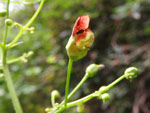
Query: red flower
{"x": 81, "y": 24}
{"x": 81, "y": 39}
{"x": 81, "y": 28}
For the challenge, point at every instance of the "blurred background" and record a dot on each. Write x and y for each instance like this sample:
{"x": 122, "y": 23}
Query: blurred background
{"x": 122, "y": 39}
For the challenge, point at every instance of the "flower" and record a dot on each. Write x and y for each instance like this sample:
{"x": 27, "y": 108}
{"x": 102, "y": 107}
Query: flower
{"x": 81, "y": 38}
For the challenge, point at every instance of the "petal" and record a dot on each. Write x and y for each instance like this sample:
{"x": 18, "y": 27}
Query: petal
{"x": 82, "y": 23}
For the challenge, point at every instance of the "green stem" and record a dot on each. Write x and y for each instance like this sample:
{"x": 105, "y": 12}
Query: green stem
{"x": 6, "y": 28}
{"x": 89, "y": 97}
{"x": 8, "y": 79}
{"x": 78, "y": 102}
{"x": 82, "y": 100}
{"x": 27, "y": 25}
{"x": 116, "y": 81}
{"x": 14, "y": 60}
{"x": 11, "y": 89}
{"x": 53, "y": 100}
{"x": 76, "y": 88}
{"x": 68, "y": 80}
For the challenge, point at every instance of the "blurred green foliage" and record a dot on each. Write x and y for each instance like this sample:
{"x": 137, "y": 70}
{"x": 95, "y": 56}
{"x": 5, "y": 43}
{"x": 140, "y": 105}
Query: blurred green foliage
{"x": 122, "y": 39}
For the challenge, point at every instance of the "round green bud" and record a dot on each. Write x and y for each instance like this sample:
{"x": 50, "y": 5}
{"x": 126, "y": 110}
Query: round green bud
{"x": 131, "y": 73}
{"x": 103, "y": 89}
{"x": 1, "y": 75}
{"x": 47, "y": 109}
{"x": 55, "y": 94}
{"x": 3, "y": 13}
{"x": 9, "y": 22}
{"x": 92, "y": 69}
{"x": 105, "y": 97}
{"x": 30, "y": 53}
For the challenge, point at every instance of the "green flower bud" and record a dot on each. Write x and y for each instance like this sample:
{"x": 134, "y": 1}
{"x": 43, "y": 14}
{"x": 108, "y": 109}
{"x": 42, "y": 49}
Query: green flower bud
{"x": 131, "y": 73}
{"x": 1, "y": 75}
{"x": 9, "y": 22}
{"x": 55, "y": 94}
{"x": 103, "y": 89}
{"x": 92, "y": 69}
{"x": 30, "y": 53}
{"x": 105, "y": 97}
{"x": 48, "y": 109}
{"x": 3, "y": 13}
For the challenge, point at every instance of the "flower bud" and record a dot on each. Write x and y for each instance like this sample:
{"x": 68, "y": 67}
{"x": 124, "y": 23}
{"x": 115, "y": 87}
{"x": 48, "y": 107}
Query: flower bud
{"x": 131, "y": 73}
{"x": 103, "y": 89}
{"x": 92, "y": 69}
{"x": 55, "y": 94}
{"x": 81, "y": 39}
{"x": 1, "y": 75}
{"x": 24, "y": 60}
{"x": 3, "y": 13}
{"x": 105, "y": 97}
{"x": 30, "y": 53}
{"x": 48, "y": 109}
{"x": 9, "y": 22}
{"x": 32, "y": 28}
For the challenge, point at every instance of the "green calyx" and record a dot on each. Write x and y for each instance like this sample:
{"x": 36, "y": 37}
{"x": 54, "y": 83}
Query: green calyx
{"x": 78, "y": 48}
{"x": 74, "y": 52}
{"x": 92, "y": 69}
{"x": 105, "y": 97}
{"x": 3, "y": 13}
{"x": 9, "y": 22}
{"x": 131, "y": 73}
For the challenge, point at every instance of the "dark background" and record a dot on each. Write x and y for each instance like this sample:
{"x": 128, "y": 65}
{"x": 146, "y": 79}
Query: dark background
{"x": 122, "y": 39}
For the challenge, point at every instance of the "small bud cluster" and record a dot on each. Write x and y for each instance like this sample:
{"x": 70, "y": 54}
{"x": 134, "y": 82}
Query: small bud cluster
{"x": 31, "y": 30}
{"x": 25, "y": 55}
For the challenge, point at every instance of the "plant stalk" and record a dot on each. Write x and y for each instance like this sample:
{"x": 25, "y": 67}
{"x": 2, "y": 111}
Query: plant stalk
{"x": 76, "y": 88}
{"x": 11, "y": 89}
{"x": 68, "y": 81}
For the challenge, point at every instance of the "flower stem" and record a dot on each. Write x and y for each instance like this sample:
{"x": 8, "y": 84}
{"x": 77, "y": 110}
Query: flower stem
{"x": 76, "y": 88}
{"x": 11, "y": 89}
{"x": 88, "y": 97}
{"x": 116, "y": 81}
{"x": 77, "y": 102}
{"x": 27, "y": 25}
{"x": 68, "y": 80}
{"x": 6, "y": 28}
